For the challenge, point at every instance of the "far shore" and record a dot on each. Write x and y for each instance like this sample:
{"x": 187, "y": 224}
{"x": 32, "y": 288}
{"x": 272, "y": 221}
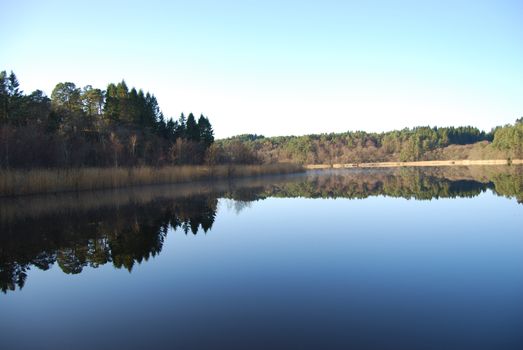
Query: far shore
{"x": 428, "y": 163}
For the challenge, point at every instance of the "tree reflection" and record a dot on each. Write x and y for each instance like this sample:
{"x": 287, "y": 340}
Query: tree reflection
{"x": 129, "y": 230}
{"x": 123, "y": 235}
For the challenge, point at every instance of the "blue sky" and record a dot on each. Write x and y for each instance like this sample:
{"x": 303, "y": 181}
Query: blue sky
{"x": 283, "y": 67}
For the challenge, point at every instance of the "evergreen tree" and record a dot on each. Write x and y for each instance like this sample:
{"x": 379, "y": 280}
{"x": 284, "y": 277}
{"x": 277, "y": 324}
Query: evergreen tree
{"x": 193, "y": 131}
{"x": 122, "y": 94}
{"x": 14, "y": 86}
{"x": 161, "y": 127}
{"x": 111, "y": 107}
{"x": 206, "y": 131}
{"x": 152, "y": 111}
{"x": 180, "y": 128}
{"x": 11, "y": 98}
{"x": 37, "y": 107}
{"x": 135, "y": 108}
{"x": 141, "y": 108}
{"x": 3, "y": 97}
{"x": 171, "y": 130}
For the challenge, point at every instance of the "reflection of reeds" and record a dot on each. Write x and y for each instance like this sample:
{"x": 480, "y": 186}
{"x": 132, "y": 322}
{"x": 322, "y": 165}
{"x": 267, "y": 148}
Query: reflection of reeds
{"x": 35, "y": 206}
{"x": 38, "y": 181}
{"x": 345, "y": 183}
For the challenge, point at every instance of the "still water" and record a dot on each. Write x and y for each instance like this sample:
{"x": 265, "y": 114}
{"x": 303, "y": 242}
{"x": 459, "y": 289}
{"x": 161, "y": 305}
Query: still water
{"x": 382, "y": 259}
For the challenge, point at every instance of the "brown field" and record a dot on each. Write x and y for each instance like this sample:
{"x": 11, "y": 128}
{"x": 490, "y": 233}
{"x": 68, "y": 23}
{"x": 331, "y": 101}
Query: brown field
{"x": 428, "y": 163}
{"x": 40, "y": 181}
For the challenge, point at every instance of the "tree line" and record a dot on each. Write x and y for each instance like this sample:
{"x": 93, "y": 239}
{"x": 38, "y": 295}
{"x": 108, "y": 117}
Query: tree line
{"x": 121, "y": 126}
{"x": 409, "y": 144}
{"x": 510, "y": 139}
{"x": 87, "y": 126}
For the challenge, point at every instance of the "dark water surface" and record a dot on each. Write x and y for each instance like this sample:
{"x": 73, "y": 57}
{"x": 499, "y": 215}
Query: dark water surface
{"x": 382, "y": 259}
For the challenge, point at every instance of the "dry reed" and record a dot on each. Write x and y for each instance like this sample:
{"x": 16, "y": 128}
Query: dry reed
{"x": 41, "y": 181}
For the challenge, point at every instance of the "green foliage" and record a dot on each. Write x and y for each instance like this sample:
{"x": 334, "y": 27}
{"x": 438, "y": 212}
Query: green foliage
{"x": 247, "y": 137}
{"x": 122, "y": 125}
{"x": 90, "y": 127}
{"x": 67, "y": 96}
{"x": 111, "y": 105}
{"x": 92, "y": 101}
{"x": 359, "y": 146}
{"x": 206, "y": 132}
{"x": 510, "y": 138}
{"x": 192, "y": 129}
{"x": 11, "y": 98}
{"x": 299, "y": 148}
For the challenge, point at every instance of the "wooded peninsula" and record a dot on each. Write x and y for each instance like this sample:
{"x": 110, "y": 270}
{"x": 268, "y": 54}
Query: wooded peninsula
{"x": 84, "y": 138}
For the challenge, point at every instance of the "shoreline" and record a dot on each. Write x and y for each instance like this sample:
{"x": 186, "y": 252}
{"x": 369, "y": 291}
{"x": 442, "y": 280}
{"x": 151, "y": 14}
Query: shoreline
{"x": 14, "y": 183}
{"x": 424, "y": 163}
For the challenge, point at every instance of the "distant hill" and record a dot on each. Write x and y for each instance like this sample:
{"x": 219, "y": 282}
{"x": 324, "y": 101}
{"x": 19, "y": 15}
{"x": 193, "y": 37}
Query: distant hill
{"x": 419, "y": 143}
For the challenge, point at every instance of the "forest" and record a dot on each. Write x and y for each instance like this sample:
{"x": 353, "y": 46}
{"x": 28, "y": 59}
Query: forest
{"x": 409, "y": 144}
{"x": 81, "y": 127}
{"x": 90, "y": 127}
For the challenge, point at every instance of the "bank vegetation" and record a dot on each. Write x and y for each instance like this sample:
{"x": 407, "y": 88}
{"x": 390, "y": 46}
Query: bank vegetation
{"x": 86, "y": 138}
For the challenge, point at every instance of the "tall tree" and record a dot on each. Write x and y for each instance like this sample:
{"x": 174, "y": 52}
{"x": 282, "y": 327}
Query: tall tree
{"x": 193, "y": 131}
{"x": 135, "y": 107}
{"x": 89, "y": 127}
{"x": 92, "y": 100}
{"x": 206, "y": 131}
{"x": 66, "y": 102}
{"x": 37, "y": 107}
{"x": 181, "y": 127}
{"x": 111, "y": 107}
{"x": 11, "y": 98}
{"x": 122, "y": 93}
{"x": 67, "y": 96}
{"x": 152, "y": 111}
{"x": 4, "y": 97}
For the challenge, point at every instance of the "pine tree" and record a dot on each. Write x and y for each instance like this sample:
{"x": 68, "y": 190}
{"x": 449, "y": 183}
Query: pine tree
{"x": 171, "y": 130}
{"x": 66, "y": 102}
{"x": 13, "y": 99}
{"x": 134, "y": 108}
{"x": 111, "y": 107}
{"x": 206, "y": 132}
{"x": 193, "y": 131}
{"x": 67, "y": 96}
{"x": 122, "y": 94}
{"x": 152, "y": 111}
{"x": 180, "y": 128}
{"x": 37, "y": 107}
{"x": 3, "y": 97}
{"x": 92, "y": 101}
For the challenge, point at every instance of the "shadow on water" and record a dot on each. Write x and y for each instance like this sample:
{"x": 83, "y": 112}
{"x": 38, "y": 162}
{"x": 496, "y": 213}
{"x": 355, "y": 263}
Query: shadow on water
{"x": 129, "y": 227}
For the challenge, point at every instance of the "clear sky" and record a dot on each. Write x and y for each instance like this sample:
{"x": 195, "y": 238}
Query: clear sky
{"x": 283, "y": 67}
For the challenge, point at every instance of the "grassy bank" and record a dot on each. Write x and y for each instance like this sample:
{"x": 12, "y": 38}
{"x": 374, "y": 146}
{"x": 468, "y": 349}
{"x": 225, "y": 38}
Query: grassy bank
{"x": 431, "y": 163}
{"x": 40, "y": 181}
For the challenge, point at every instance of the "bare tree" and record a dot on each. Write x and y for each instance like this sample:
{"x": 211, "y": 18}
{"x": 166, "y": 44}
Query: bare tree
{"x": 116, "y": 146}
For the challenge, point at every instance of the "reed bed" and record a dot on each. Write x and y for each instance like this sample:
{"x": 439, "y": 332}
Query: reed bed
{"x": 42, "y": 181}
{"x": 423, "y": 163}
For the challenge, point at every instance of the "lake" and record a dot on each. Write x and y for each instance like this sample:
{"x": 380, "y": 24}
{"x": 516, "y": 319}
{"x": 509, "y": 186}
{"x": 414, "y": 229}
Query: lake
{"x": 335, "y": 259}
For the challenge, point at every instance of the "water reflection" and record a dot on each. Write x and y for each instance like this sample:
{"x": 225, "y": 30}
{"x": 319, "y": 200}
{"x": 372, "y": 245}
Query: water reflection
{"x": 122, "y": 235}
{"x": 128, "y": 227}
